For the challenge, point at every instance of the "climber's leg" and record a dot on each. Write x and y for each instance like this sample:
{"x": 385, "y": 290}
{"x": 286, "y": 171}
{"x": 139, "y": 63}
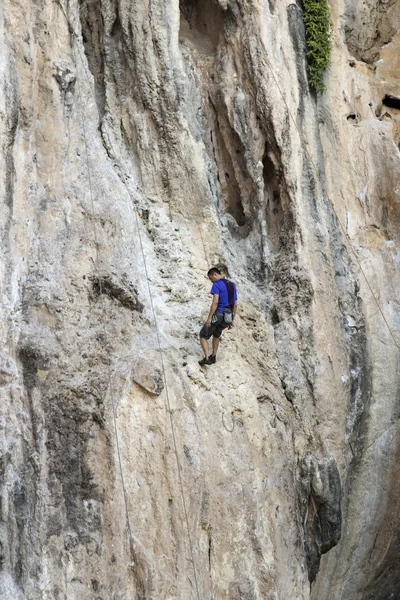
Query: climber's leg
{"x": 215, "y": 344}
{"x": 204, "y": 345}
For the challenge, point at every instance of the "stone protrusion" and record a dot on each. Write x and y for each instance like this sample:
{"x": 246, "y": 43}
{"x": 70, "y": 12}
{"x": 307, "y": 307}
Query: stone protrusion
{"x": 148, "y": 376}
{"x": 320, "y": 501}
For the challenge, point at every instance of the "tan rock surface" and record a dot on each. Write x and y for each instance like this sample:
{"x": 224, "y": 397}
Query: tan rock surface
{"x": 140, "y": 143}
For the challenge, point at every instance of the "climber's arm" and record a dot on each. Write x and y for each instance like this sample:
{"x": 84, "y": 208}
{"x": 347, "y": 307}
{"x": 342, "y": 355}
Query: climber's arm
{"x": 213, "y": 308}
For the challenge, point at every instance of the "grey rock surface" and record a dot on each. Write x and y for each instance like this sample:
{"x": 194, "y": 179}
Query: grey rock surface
{"x": 141, "y": 143}
{"x": 320, "y": 500}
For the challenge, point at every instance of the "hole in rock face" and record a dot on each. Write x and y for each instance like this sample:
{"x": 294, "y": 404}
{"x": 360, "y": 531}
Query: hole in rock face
{"x": 391, "y": 101}
{"x": 202, "y": 21}
{"x": 273, "y": 207}
{"x": 274, "y": 316}
{"x": 230, "y": 188}
{"x": 233, "y": 200}
{"x": 222, "y": 148}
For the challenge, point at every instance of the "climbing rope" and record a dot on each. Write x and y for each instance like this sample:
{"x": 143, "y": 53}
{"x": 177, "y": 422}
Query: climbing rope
{"x": 74, "y": 37}
{"x": 168, "y": 403}
{"x": 132, "y": 204}
{"x": 99, "y": 279}
{"x": 304, "y": 145}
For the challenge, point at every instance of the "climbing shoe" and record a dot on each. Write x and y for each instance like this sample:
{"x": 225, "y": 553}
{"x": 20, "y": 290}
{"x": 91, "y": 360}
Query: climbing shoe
{"x": 212, "y": 359}
{"x": 204, "y": 361}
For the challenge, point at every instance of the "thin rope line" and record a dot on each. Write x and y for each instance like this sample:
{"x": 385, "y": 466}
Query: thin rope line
{"x": 169, "y": 410}
{"x": 161, "y": 358}
{"x": 133, "y": 208}
{"x": 186, "y": 170}
{"x": 131, "y": 541}
{"x": 168, "y": 404}
{"x": 304, "y": 144}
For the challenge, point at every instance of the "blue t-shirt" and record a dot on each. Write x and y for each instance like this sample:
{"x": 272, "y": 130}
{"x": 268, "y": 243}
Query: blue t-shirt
{"x": 219, "y": 288}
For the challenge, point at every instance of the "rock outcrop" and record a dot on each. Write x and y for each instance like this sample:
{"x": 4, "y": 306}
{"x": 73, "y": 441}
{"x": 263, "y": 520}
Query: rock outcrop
{"x": 141, "y": 143}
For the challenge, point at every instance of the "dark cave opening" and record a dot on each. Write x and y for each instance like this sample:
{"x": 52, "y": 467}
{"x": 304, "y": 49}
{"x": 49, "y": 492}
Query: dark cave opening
{"x": 202, "y": 21}
{"x": 230, "y": 188}
{"x": 391, "y": 101}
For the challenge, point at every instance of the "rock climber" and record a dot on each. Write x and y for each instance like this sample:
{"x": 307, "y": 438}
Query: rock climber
{"x": 221, "y": 315}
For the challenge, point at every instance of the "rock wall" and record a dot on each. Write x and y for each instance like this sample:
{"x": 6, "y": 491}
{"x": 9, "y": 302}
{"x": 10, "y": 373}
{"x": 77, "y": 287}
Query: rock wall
{"x": 141, "y": 143}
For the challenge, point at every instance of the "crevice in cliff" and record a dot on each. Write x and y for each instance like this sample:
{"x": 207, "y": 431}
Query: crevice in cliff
{"x": 320, "y": 508}
{"x": 359, "y": 383}
{"x": 298, "y": 36}
{"x": 274, "y": 215}
{"x": 229, "y": 186}
{"x": 226, "y": 150}
{"x": 21, "y": 507}
{"x": 93, "y": 33}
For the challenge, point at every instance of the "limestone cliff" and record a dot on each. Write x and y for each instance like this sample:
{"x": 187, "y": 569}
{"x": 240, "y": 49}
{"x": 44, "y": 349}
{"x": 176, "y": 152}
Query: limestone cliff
{"x": 141, "y": 143}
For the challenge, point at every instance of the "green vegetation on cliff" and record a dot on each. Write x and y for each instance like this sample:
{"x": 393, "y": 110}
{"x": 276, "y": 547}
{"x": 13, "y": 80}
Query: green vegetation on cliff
{"x": 316, "y": 22}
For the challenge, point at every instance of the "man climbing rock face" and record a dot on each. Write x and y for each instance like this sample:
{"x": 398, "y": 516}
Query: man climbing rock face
{"x": 221, "y": 315}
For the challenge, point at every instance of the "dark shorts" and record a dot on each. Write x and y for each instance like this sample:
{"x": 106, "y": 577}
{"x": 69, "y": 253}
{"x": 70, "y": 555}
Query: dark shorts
{"x": 217, "y": 327}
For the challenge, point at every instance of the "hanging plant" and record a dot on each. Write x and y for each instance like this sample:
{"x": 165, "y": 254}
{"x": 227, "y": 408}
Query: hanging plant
{"x": 317, "y": 26}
